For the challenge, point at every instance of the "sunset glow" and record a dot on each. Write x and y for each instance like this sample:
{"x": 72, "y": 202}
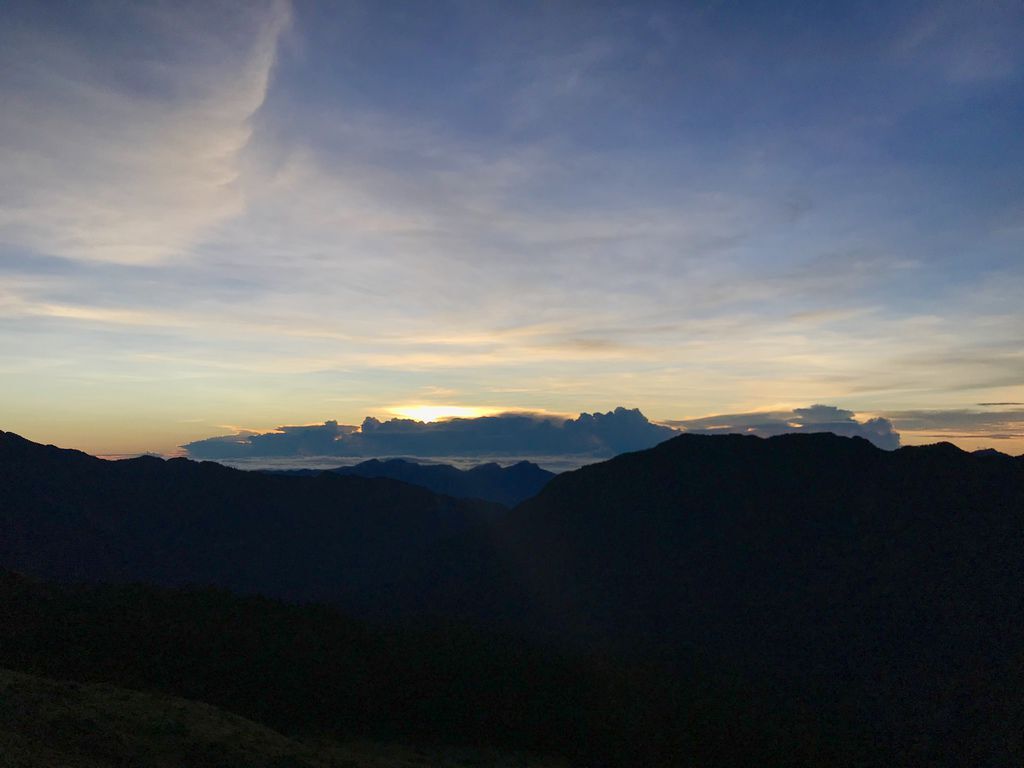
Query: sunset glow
{"x": 430, "y": 413}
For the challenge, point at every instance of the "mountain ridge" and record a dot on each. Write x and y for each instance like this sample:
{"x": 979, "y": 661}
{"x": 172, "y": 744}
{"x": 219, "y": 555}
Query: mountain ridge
{"x": 489, "y": 481}
{"x": 67, "y": 515}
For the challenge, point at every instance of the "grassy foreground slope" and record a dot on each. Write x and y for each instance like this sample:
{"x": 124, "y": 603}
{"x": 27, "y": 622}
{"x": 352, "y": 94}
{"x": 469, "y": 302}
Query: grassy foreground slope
{"x": 50, "y": 724}
{"x": 308, "y": 671}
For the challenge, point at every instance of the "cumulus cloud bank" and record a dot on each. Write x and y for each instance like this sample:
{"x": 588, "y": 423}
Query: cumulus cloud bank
{"x": 816, "y": 418}
{"x": 511, "y": 434}
{"x": 596, "y": 435}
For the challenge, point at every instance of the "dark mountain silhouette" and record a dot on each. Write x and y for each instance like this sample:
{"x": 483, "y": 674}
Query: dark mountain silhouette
{"x": 879, "y": 593}
{"x": 888, "y": 584}
{"x": 490, "y": 482}
{"x": 990, "y": 452}
{"x": 69, "y": 516}
{"x": 882, "y": 591}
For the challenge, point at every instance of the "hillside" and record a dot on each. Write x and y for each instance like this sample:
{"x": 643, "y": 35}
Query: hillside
{"x": 49, "y": 724}
{"x": 310, "y": 672}
{"x": 45, "y": 723}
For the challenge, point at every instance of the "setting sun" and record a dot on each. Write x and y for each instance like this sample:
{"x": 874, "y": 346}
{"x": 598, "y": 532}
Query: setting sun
{"x": 430, "y": 413}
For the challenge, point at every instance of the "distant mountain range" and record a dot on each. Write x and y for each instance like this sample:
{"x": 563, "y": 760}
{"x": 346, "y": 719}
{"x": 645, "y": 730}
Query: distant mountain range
{"x": 490, "y": 482}
{"x": 879, "y": 593}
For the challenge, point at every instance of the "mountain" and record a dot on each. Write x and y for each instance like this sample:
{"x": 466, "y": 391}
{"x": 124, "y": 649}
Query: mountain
{"x": 491, "y": 482}
{"x": 69, "y": 516}
{"x": 882, "y": 589}
{"x": 878, "y": 593}
{"x": 727, "y": 518}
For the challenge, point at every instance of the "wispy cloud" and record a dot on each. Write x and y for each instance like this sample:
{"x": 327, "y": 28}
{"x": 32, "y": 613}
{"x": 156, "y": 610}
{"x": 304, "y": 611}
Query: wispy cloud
{"x": 121, "y": 138}
{"x": 976, "y": 423}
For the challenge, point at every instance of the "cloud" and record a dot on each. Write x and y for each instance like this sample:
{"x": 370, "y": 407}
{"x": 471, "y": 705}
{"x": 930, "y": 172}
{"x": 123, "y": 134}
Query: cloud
{"x": 509, "y": 434}
{"x": 816, "y": 418}
{"x": 1004, "y": 424}
{"x": 596, "y": 435}
{"x": 123, "y": 126}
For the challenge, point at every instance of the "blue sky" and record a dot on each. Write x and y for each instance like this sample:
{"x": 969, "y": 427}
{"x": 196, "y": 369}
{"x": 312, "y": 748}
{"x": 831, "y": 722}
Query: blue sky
{"x": 219, "y": 216}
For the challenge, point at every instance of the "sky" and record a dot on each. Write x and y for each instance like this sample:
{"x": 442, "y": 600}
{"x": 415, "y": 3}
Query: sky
{"x": 218, "y": 217}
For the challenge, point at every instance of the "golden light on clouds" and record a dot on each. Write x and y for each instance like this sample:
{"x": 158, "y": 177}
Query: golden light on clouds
{"x": 423, "y": 412}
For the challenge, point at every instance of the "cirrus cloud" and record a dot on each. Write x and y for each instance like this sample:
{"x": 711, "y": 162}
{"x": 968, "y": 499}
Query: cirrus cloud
{"x": 132, "y": 155}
